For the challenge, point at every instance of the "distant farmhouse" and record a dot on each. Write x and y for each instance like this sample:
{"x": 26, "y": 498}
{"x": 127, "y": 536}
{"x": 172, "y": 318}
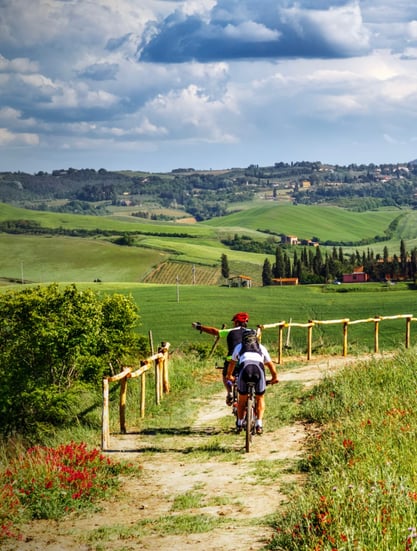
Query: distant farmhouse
{"x": 357, "y": 276}
{"x": 240, "y": 281}
{"x": 289, "y": 239}
{"x": 293, "y": 240}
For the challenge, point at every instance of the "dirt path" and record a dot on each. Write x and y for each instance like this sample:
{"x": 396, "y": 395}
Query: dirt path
{"x": 226, "y": 486}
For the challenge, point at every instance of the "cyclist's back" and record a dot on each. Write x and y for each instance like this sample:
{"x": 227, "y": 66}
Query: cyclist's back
{"x": 251, "y": 357}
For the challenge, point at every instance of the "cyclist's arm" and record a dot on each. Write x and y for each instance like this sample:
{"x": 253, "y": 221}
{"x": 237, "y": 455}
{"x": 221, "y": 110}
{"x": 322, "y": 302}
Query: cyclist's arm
{"x": 205, "y": 328}
{"x": 230, "y": 370}
{"x": 210, "y": 330}
{"x": 273, "y": 372}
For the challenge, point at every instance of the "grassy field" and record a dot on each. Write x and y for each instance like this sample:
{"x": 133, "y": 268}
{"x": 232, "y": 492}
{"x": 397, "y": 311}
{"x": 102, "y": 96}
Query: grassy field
{"x": 107, "y": 223}
{"x": 167, "y": 311}
{"x": 361, "y": 490}
{"x": 308, "y": 221}
{"x": 43, "y": 259}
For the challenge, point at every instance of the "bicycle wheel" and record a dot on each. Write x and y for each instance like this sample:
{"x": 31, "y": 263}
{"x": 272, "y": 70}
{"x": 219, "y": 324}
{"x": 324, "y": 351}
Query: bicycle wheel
{"x": 250, "y": 420}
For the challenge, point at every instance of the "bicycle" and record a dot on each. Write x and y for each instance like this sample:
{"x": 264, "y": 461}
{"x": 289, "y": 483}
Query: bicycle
{"x": 250, "y": 418}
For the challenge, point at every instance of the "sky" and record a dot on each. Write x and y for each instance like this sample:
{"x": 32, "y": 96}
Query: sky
{"x": 157, "y": 85}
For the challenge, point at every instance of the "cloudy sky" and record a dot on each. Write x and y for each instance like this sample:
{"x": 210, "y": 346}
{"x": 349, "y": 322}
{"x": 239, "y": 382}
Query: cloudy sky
{"x": 162, "y": 84}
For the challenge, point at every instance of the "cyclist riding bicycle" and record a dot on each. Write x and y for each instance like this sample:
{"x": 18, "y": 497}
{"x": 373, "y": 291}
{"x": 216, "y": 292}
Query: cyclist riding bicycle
{"x": 251, "y": 357}
{"x": 233, "y": 337}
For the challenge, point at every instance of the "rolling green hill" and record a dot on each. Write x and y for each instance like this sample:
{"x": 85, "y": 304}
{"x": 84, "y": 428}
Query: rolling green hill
{"x": 63, "y": 258}
{"x": 326, "y": 223}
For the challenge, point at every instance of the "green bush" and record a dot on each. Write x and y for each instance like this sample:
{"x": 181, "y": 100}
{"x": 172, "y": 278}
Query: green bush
{"x": 56, "y": 346}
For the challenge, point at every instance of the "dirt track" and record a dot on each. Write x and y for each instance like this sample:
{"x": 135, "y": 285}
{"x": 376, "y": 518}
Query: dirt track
{"x": 229, "y": 489}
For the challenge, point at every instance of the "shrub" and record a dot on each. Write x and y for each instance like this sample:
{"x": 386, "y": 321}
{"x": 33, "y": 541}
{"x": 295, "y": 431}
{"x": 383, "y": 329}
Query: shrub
{"x": 55, "y": 345}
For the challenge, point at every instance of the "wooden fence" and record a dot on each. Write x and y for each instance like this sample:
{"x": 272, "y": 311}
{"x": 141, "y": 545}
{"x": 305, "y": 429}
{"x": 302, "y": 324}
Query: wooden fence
{"x": 160, "y": 363}
{"x": 345, "y": 322}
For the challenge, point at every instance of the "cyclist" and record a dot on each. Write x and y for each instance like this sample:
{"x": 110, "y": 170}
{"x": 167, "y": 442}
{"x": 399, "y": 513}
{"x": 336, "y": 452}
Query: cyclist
{"x": 252, "y": 357}
{"x": 233, "y": 337}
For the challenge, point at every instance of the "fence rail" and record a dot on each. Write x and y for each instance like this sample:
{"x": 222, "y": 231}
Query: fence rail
{"x": 160, "y": 363}
{"x": 344, "y": 322}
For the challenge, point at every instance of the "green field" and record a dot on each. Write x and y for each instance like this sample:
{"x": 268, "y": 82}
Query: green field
{"x": 167, "y": 311}
{"x": 84, "y": 259}
{"x": 326, "y": 223}
{"x": 54, "y": 258}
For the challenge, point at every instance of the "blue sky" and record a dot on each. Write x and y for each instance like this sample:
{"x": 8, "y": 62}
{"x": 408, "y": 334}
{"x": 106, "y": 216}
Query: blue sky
{"x": 208, "y": 84}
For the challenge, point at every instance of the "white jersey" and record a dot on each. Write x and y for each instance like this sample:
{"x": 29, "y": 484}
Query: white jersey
{"x": 251, "y": 356}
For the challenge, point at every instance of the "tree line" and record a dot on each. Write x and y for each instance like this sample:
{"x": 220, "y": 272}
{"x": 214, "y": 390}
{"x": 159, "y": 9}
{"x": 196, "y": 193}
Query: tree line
{"x": 310, "y": 265}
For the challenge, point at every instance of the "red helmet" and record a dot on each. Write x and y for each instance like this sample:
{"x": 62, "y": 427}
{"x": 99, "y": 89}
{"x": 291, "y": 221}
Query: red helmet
{"x": 241, "y": 317}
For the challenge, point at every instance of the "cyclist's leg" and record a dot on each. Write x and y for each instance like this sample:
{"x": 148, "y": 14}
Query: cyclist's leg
{"x": 227, "y": 384}
{"x": 242, "y": 389}
{"x": 260, "y": 399}
{"x": 260, "y": 407}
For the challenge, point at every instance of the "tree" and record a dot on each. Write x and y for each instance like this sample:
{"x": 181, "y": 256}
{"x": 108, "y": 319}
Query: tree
{"x": 225, "y": 266}
{"x": 279, "y": 266}
{"x": 403, "y": 258}
{"x": 56, "y": 346}
{"x": 266, "y": 273}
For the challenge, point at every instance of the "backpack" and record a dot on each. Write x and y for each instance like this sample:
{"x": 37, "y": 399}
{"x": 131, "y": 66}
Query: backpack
{"x": 250, "y": 342}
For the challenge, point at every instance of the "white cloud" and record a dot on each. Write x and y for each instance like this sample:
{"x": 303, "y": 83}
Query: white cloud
{"x": 264, "y": 78}
{"x": 251, "y": 31}
{"x": 341, "y": 26}
{"x": 22, "y": 139}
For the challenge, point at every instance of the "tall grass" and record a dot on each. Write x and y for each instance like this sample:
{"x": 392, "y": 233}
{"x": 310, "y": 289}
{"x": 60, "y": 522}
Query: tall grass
{"x": 49, "y": 483}
{"x": 361, "y": 491}
{"x": 68, "y": 474}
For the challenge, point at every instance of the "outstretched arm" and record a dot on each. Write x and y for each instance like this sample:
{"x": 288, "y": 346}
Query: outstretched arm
{"x": 205, "y": 328}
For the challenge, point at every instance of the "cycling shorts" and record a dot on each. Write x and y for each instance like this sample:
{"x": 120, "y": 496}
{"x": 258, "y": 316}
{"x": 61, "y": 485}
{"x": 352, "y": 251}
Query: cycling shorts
{"x": 251, "y": 372}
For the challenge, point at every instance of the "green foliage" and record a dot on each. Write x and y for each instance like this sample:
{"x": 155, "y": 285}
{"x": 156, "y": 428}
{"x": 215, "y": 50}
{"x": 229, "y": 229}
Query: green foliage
{"x": 225, "y": 266}
{"x": 362, "y": 487}
{"x": 48, "y": 483}
{"x": 55, "y": 344}
{"x": 266, "y": 273}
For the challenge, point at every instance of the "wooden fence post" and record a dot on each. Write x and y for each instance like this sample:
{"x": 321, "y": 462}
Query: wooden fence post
{"x": 309, "y": 338}
{"x": 165, "y": 376}
{"x": 376, "y": 335}
{"x": 280, "y": 341}
{"x": 407, "y": 331}
{"x": 345, "y": 337}
{"x": 105, "y": 429}
{"x": 142, "y": 391}
{"x": 122, "y": 405}
{"x": 157, "y": 382}
{"x": 150, "y": 336}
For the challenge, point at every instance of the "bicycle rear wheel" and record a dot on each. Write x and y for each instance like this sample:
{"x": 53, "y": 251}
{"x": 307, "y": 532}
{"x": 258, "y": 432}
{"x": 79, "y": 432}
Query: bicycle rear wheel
{"x": 250, "y": 420}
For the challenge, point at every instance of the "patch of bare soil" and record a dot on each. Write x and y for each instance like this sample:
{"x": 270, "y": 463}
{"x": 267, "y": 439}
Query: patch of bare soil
{"x": 230, "y": 489}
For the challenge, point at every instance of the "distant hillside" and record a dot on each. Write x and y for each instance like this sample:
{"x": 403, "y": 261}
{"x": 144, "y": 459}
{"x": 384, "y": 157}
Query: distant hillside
{"x": 322, "y": 222}
{"x": 42, "y": 246}
{"x": 211, "y": 194}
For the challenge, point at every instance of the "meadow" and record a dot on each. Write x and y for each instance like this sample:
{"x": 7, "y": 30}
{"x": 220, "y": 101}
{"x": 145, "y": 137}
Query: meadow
{"x": 167, "y": 312}
{"x": 361, "y": 489}
{"x": 82, "y": 259}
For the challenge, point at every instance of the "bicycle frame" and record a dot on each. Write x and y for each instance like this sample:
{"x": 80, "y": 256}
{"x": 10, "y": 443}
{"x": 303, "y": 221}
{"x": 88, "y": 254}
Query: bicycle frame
{"x": 250, "y": 415}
